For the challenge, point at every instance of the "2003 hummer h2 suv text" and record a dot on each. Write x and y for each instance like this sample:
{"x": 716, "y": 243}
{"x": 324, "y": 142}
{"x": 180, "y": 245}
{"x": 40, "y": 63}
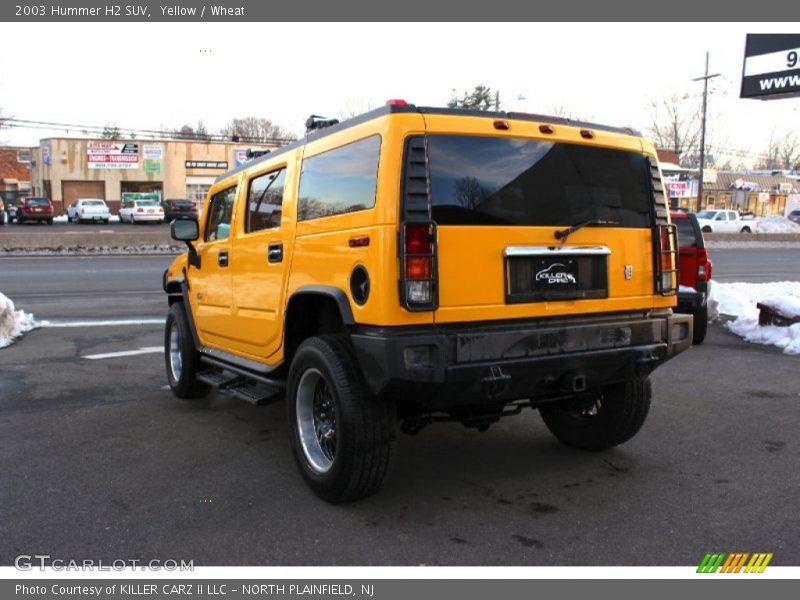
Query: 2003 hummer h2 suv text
{"x": 418, "y": 264}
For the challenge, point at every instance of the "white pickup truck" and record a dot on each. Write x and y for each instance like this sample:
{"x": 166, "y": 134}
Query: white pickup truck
{"x": 724, "y": 221}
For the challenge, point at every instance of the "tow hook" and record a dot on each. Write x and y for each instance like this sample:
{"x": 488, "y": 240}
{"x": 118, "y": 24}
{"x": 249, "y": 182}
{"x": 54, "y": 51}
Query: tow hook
{"x": 496, "y": 383}
{"x": 645, "y": 364}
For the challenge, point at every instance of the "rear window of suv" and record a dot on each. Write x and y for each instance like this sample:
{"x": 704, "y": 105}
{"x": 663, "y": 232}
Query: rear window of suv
{"x": 37, "y": 202}
{"x": 507, "y": 181}
{"x": 686, "y": 235}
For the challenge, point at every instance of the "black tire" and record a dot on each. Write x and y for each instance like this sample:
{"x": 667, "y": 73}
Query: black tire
{"x": 745, "y": 229}
{"x": 614, "y": 416}
{"x": 700, "y": 325}
{"x": 49, "y": 221}
{"x": 105, "y": 221}
{"x": 19, "y": 219}
{"x": 182, "y": 377}
{"x": 706, "y": 229}
{"x": 359, "y": 438}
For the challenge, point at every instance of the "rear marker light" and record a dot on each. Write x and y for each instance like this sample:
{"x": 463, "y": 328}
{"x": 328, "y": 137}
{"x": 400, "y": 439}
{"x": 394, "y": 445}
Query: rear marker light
{"x": 396, "y": 102}
{"x": 502, "y": 125}
{"x": 546, "y": 129}
{"x": 587, "y": 133}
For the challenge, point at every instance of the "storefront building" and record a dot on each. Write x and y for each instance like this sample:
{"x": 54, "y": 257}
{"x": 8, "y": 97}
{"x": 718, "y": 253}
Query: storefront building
{"x": 65, "y": 169}
{"x": 15, "y": 176}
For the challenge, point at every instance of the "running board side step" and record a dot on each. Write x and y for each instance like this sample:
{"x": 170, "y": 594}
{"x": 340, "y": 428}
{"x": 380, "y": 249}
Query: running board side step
{"x": 251, "y": 387}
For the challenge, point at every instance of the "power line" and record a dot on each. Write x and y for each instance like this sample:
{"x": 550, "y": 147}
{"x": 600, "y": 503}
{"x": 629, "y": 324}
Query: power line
{"x": 100, "y": 130}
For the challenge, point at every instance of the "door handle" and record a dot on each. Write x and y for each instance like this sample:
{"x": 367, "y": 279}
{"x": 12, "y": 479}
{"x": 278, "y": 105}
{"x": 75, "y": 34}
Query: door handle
{"x": 275, "y": 253}
{"x": 222, "y": 259}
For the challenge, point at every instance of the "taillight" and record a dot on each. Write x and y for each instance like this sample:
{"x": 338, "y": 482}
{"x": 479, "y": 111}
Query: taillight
{"x": 418, "y": 266}
{"x": 667, "y": 260}
{"x": 139, "y": 209}
{"x": 703, "y": 265}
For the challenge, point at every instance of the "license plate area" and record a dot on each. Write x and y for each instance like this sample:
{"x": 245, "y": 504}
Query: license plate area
{"x": 537, "y": 274}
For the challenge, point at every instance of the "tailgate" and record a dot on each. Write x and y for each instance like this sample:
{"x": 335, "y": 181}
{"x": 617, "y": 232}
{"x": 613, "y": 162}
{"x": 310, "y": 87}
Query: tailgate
{"x": 498, "y": 202}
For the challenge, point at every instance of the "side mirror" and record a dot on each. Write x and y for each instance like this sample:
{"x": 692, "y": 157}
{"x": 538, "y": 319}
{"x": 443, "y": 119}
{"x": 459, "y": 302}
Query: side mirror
{"x": 187, "y": 230}
{"x": 184, "y": 230}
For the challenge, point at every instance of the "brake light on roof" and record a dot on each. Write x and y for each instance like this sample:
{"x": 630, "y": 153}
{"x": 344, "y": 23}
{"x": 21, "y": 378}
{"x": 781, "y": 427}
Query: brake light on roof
{"x": 396, "y": 102}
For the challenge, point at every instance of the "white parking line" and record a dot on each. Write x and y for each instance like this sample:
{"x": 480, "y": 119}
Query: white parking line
{"x": 145, "y": 350}
{"x": 109, "y": 323}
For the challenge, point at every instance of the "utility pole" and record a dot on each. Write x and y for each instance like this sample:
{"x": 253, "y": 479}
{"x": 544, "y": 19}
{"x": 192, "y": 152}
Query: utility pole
{"x": 705, "y": 79}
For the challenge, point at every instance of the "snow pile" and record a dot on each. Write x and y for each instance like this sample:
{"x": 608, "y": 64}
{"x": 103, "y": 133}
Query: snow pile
{"x": 776, "y": 225}
{"x": 739, "y": 300}
{"x": 13, "y": 323}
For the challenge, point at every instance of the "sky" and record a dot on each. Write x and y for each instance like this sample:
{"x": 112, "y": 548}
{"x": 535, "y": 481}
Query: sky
{"x": 166, "y": 74}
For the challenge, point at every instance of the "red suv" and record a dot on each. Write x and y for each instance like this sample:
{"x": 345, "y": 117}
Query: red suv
{"x": 35, "y": 209}
{"x": 694, "y": 273}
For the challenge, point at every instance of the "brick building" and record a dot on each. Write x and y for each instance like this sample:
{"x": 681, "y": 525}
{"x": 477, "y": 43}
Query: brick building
{"x": 15, "y": 175}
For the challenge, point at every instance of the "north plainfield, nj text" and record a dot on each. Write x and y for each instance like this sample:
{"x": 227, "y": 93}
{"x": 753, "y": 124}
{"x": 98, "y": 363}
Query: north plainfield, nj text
{"x": 142, "y": 10}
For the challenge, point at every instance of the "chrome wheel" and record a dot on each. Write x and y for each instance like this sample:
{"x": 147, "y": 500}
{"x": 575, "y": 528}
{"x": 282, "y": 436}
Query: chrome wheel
{"x": 175, "y": 361}
{"x": 316, "y": 420}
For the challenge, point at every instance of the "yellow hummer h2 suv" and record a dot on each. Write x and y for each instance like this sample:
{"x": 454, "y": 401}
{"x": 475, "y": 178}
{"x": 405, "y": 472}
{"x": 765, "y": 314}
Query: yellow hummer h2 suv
{"x": 414, "y": 265}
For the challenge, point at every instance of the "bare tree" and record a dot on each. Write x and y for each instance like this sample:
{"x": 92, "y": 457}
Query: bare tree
{"x": 470, "y": 192}
{"x": 353, "y": 107}
{"x": 781, "y": 153}
{"x": 255, "y": 129}
{"x": 675, "y": 125}
{"x": 790, "y": 152}
{"x": 111, "y": 132}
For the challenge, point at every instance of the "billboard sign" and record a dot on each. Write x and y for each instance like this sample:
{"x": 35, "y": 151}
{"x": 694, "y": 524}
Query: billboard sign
{"x": 153, "y": 152}
{"x": 110, "y": 155}
{"x": 206, "y": 164}
{"x": 771, "y": 66}
{"x": 679, "y": 189}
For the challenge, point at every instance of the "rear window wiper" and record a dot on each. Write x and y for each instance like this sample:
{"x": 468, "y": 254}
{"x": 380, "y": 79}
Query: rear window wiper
{"x": 563, "y": 234}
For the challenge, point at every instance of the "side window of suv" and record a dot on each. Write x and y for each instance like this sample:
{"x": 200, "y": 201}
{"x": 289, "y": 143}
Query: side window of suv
{"x": 264, "y": 200}
{"x": 339, "y": 181}
{"x": 218, "y": 226}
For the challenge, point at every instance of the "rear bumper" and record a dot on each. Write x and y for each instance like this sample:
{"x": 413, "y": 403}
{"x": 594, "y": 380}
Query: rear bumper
{"x": 693, "y": 301}
{"x": 155, "y": 217}
{"x": 494, "y": 363}
{"x": 34, "y": 216}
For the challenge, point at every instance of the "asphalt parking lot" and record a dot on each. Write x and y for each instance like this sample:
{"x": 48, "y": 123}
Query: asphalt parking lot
{"x": 100, "y": 461}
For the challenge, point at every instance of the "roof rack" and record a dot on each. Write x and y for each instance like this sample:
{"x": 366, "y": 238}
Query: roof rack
{"x": 315, "y": 122}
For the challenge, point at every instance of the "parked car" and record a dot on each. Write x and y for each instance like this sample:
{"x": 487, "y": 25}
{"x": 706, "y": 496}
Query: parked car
{"x": 433, "y": 288}
{"x": 2, "y": 212}
{"x": 35, "y": 209}
{"x": 141, "y": 211}
{"x": 723, "y": 221}
{"x": 88, "y": 209}
{"x": 794, "y": 216}
{"x": 694, "y": 273}
{"x": 179, "y": 208}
